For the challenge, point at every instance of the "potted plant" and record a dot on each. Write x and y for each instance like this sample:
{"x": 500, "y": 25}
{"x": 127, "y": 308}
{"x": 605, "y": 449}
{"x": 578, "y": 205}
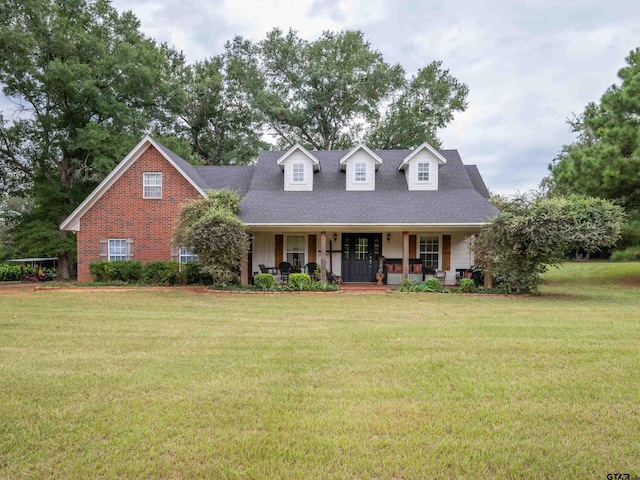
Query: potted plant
{"x": 380, "y": 272}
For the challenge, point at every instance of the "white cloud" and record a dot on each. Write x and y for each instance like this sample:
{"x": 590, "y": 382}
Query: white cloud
{"x": 362, "y": 12}
{"x": 255, "y": 19}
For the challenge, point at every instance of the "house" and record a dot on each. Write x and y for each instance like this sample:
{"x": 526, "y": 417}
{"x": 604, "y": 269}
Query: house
{"x": 342, "y": 209}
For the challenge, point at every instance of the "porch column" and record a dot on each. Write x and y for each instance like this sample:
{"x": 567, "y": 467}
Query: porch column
{"x": 244, "y": 270}
{"x": 405, "y": 255}
{"x": 323, "y": 257}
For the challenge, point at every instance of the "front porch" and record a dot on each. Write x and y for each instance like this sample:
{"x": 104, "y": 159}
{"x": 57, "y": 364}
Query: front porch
{"x": 357, "y": 256}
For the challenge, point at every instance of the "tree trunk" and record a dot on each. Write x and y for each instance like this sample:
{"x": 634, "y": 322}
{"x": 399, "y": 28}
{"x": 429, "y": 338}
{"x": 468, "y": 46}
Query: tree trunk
{"x": 64, "y": 267}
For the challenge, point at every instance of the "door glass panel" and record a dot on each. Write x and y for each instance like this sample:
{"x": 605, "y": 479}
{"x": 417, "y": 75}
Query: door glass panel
{"x": 345, "y": 248}
{"x": 376, "y": 247}
{"x": 362, "y": 249}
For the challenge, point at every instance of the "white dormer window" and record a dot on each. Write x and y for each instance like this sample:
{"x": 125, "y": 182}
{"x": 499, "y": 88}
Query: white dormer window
{"x": 421, "y": 168}
{"x": 298, "y": 166}
{"x": 298, "y": 172}
{"x": 152, "y": 185}
{"x": 360, "y": 165}
{"x": 423, "y": 172}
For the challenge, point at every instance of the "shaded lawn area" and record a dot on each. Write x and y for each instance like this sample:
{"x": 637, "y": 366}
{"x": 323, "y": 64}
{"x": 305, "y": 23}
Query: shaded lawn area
{"x": 157, "y": 383}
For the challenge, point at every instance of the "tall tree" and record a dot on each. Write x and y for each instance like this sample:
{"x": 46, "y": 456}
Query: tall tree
{"x": 605, "y": 159}
{"x": 214, "y": 115}
{"x": 86, "y": 84}
{"x": 425, "y": 104}
{"x": 331, "y": 92}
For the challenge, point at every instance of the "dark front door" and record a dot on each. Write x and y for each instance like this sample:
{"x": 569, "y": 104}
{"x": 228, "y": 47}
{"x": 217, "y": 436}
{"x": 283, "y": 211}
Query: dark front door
{"x": 360, "y": 252}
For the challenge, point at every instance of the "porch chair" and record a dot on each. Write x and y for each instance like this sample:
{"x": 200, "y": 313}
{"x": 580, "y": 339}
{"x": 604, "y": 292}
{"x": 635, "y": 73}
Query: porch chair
{"x": 441, "y": 275}
{"x": 263, "y": 269}
{"x": 310, "y": 268}
{"x": 285, "y": 270}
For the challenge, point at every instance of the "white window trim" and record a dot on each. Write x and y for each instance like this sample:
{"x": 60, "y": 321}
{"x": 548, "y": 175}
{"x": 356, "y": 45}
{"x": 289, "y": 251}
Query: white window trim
{"x": 110, "y": 255}
{"x": 145, "y": 185}
{"x": 184, "y": 252}
{"x": 285, "y": 247}
{"x": 356, "y": 172}
{"x": 428, "y": 172}
{"x": 439, "y": 252}
{"x": 293, "y": 172}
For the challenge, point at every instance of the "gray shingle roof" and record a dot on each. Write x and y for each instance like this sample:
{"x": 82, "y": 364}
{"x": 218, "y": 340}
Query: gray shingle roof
{"x": 477, "y": 181}
{"x": 461, "y": 197}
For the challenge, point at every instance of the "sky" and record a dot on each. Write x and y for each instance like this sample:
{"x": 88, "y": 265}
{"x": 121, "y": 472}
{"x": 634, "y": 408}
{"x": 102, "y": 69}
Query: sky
{"x": 530, "y": 65}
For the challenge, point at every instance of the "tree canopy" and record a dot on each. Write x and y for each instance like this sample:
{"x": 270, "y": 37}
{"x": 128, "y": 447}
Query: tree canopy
{"x": 605, "y": 159}
{"x": 336, "y": 91}
{"x": 529, "y": 235}
{"x": 212, "y": 113}
{"x": 86, "y": 84}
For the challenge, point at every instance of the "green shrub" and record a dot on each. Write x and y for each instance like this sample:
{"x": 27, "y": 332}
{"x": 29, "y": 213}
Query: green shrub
{"x": 299, "y": 281}
{"x": 627, "y": 255}
{"x": 99, "y": 271}
{"x": 193, "y": 275}
{"x": 125, "y": 271}
{"x": 433, "y": 285}
{"x": 265, "y": 281}
{"x": 161, "y": 273}
{"x": 325, "y": 287}
{"x": 467, "y": 285}
{"x": 12, "y": 273}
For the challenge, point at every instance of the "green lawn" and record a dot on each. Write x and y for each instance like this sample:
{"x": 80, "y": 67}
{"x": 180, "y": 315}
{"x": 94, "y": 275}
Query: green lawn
{"x": 161, "y": 383}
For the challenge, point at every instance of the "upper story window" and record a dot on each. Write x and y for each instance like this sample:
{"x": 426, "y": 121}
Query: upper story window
{"x": 298, "y": 172}
{"x": 360, "y": 170}
{"x": 152, "y": 185}
{"x": 117, "y": 249}
{"x": 423, "y": 172}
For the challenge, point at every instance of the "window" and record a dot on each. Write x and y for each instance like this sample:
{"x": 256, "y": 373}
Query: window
{"x": 295, "y": 250}
{"x": 298, "y": 172}
{"x": 186, "y": 255}
{"x": 362, "y": 248}
{"x": 360, "y": 172}
{"x": 152, "y": 185}
{"x": 423, "y": 172}
{"x": 430, "y": 252}
{"x": 117, "y": 249}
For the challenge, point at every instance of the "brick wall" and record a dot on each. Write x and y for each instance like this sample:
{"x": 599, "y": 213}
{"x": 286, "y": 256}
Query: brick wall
{"x": 122, "y": 213}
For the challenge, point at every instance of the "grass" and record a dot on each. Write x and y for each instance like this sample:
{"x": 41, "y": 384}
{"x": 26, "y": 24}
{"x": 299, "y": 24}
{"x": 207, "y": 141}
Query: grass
{"x": 175, "y": 383}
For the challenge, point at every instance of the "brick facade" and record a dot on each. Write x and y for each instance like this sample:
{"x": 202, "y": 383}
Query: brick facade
{"x": 122, "y": 212}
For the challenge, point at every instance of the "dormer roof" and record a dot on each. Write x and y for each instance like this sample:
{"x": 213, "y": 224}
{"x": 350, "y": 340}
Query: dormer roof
{"x": 424, "y": 146}
{"x": 354, "y": 150}
{"x": 299, "y": 148}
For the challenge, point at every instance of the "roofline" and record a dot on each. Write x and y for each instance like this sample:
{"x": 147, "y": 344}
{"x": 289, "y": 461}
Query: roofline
{"x": 307, "y": 153}
{"x": 357, "y": 225}
{"x": 425, "y": 145}
{"x": 72, "y": 222}
{"x": 376, "y": 158}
